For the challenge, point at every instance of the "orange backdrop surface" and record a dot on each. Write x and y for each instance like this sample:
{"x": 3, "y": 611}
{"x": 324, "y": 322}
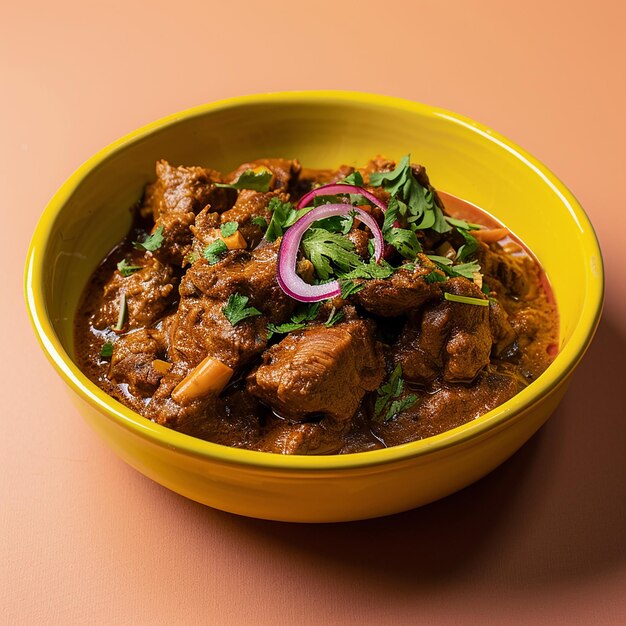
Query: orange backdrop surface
{"x": 87, "y": 540}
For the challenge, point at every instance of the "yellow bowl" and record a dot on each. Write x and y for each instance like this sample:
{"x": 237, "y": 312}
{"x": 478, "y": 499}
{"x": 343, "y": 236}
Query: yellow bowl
{"x": 90, "y": 213}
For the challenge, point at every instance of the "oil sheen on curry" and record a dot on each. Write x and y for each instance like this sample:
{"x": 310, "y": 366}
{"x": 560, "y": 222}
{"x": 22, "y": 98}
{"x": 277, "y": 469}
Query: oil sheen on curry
{"x": 305, "y": 311}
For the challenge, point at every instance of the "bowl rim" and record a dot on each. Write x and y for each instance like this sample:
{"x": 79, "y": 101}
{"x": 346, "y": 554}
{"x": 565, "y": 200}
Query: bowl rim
{"x": 553, "y": 377}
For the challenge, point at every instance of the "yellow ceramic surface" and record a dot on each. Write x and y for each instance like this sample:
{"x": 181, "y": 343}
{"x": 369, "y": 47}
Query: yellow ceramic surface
{"x": 90, "y": 213}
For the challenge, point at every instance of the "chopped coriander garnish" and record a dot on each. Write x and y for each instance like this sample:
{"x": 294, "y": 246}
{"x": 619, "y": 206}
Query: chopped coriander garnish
{"x": 259, "y": 221}
{"x": 435, "y": 277}
{"x": 468, "y": 248}
{"x": 213, "y": 251}
{"x": 229, "y": 228}
{"x": 125, "y": 269}
{"x": 192, "y": 257}
{"x": 404, "y": 241}
{"x": 123, "y": 310}
{"x": 423, "y": 211}
{"x": 389, "y": 401}
{"x": 334, "y": 317}
{"x": 236, "y": 310}
{"x": 462, "y": 224}
{"x": 281, "y": 211}
{"x": 298, "y": 320}
{"x": 440, "y": 260}
{"x": 256, "y": 180}
{"x": 349, "y": 287}
{"x": 486, "y": 289}
{"x": 151, "y": 242}
{"x": 283, "y": 329}
{"x": 330, "y": 253}
{"x": 370, "y": 270}
{"x": 467, "y": 270}
{"x": 465, "y": 299}
{"x": 106, "y": 351}
{"x": 353, "y": 179}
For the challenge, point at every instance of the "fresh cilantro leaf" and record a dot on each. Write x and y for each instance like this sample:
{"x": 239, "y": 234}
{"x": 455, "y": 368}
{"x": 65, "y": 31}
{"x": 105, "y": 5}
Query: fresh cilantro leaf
{"x": 258, "y": 180}
{"x": 306, "y": 313}
{"x": 440, "y": 260}
{"x": 214, "y": 250}
{"x": 397, "y": 406}
{"x": 106, "y": 351}
{"x": 462, "y": 224}
{"x": 336, "y": 224}
{"x": 389, "y": 396}
{"x": 229, "y": 228}
{"x": 404, "y": 241}
{"x": 283, "y": 329}
{"x": 192, "y": 257}
{"x": 125, "y": 269}
{"x": 298, "y": 320}
{"x": 151, "y": 242}
{"x": 259, "y": 221}
{"x": 330, "y": 253}
{"x": 467, "y": 270}
{"x": 486, "y": 289}
{"x": 402, "y": 184}
{"x": 370, "y": 270}
{"x": 434, "y": 277}
{"x": 236, "y": 310}
{"x": 440, "y": 225}
{"x": 393, "y": 181}
{"x": 334, "y": 317}
{"x": 468, "y": 248}
{"x": 281, "y": 212}
{"x": 349, "y": 287}
{"x": 353, "y": 179}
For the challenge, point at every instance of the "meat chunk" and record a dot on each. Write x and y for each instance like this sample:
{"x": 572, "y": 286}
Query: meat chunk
{"x": 320, "y": 370}
{"x": 285, "y": 172}
{"x": 132, "y": 361}
{"x": 178, "y": 194}
{"x": 205, "y": 230}
{"x": 149, "y": 292}
{"x": 185, "y": 190}
{"x": 200, "y": 328}
{"x": 451, "y": 338}
{"x": 449, "y": 407}
{"x": 325, "y": 437}
{"x": 251, "y": 205}
{"x": 249, "y": 273}
{"x": 502, "y": 333}
{"x": 405, "y": 291}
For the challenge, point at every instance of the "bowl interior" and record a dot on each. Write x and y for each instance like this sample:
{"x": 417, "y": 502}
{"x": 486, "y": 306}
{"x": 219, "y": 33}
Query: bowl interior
{"x": 91, "y": 212}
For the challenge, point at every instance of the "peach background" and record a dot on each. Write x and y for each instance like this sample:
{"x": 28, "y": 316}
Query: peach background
{"x": 85, "y": 539}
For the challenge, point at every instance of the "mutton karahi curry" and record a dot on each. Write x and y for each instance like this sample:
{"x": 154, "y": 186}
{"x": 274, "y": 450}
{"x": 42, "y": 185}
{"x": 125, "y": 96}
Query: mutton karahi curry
{"x": 301, "y": 311}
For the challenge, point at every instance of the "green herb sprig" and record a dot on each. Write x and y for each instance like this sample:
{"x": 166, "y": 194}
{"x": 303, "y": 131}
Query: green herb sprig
{"x": 236, "y": 310}
{"x": 250, "y": 179}
{"x": 213, "y": 252}
{"x": 151, "y": 242}
{"x": 389, "y": 402}
{"x": 125, "y": 269}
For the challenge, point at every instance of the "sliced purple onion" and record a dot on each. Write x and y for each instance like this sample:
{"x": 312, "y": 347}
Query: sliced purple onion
{"x": 287, "y": 277}
{"x": 335, "y": 188}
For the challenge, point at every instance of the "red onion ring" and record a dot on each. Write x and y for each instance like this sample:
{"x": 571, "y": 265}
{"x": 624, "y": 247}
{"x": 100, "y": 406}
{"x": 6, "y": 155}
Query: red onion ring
{"x": 335, "y": 188}
{"x": 287, "y": 277}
